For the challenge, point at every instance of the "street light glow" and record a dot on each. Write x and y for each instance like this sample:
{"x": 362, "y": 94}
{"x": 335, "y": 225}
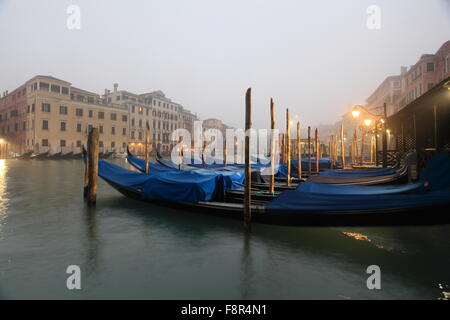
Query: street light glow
{"x": 367, "y": 122}
{"x": 355, "y": 113}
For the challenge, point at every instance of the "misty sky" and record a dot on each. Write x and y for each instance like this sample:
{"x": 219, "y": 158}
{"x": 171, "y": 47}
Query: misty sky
{"x": 315, "y": 57}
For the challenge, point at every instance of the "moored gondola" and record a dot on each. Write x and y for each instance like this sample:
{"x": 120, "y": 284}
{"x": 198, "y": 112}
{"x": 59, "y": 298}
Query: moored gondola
{"x": 24, "y": 156}
{"x": 293, "y": 208}
{"x": 40, "y": 156}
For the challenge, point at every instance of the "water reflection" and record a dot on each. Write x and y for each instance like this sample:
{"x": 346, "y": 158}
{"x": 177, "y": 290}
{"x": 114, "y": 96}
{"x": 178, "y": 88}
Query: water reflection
{"x": 3, "y": 193}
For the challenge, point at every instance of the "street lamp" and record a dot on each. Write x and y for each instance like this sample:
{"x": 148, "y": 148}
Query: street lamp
{"x": 367, "y": 122}
{"x": 381, "y": 119}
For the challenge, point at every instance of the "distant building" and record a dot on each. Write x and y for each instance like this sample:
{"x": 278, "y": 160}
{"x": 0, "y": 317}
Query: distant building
{"x": 49, "y": 114}
{"x": 400, "y": 90}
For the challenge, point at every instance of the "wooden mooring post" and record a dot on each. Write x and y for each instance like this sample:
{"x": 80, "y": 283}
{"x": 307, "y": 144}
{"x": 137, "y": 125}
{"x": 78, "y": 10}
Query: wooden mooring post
{"x": 288, "y": 147}
{"x": 342, "y": 146}
{"x": 316, "y": 137}
{"x": 248, "y": 125}
{"x": 147, "y": 138}
{"x": 309, "y": 151}
{"x": 272, "y": 147}
{"x": 299, "y": 153}
{"x": 92, "y": 156}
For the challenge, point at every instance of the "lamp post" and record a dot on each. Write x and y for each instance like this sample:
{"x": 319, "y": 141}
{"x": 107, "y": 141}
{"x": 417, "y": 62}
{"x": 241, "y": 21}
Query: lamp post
{"x": 356, "y": 112}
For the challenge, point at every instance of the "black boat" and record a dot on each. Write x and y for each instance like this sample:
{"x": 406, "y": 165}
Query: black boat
{"x": 24, "y": 156}
{"x": 67, "y": 155}
{"x": 78, "y": 155}
{"x": 55, "y": 156}
{"x": 293, "y": 209}
{"x": 40, "y": 156}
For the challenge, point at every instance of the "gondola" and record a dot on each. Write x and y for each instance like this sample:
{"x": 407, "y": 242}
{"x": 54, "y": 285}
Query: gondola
{"x": 391, "y": 176}
{"x": 78, "y": 155}
{"x": 106, "y": 155}
{"x": 24, "y": 156}
{"x": 40, "y": 156}
{"x": 55, "y": 156}
{"x": 67, "y": 155}
{"x": 290, "y": 207}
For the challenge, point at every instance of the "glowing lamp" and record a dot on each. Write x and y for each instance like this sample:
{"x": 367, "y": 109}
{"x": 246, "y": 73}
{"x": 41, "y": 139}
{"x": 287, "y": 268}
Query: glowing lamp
{"x": 355, "y": 113}
{"x": 367, "y": 122}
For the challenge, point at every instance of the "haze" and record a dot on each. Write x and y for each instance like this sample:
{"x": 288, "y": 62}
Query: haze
{"x": 316, "y": 57}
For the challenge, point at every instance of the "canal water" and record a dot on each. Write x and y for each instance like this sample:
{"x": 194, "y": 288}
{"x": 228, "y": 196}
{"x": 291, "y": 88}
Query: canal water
{"x": 133, "y": 250}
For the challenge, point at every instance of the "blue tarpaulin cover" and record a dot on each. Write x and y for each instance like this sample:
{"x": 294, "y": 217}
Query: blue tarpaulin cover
{"x": 437, "y": 173}
{"x": 319, "y": 188}
{"x": 173, "y": 185}
{"x": 295, "y": 201}
{"x": 358, "y": 173}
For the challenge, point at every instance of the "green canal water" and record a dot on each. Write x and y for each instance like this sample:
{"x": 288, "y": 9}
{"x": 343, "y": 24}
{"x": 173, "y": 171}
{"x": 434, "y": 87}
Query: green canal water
{"x": 133, "y": 250}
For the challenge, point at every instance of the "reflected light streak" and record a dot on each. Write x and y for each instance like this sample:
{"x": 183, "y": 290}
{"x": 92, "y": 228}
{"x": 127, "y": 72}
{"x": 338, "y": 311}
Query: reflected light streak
{"x": 3, "y": 199}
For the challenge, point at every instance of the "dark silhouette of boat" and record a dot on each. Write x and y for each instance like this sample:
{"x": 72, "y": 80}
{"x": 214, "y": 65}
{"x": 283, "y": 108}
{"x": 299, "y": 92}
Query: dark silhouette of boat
{"x": 24, "y": 156}
{"x": 40, "y": 156}
{"x": 67, "y": 155}
{"x": 55, "y": 156}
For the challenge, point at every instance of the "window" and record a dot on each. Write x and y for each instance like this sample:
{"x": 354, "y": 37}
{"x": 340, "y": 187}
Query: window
{"x": 45, "y": 107}
{"x": 44, "y": 86}
{"x": 90, "y": 113}
{"x": 447, "y": 64}
{"x": 430, "y": 67}
{"x": 100, "y": 129}
{"x": 65, "y": 90}
{"x": 78, "y": 127}
{"x": 113, "y": 130}
{"x": 124, "y": 118}
{"x": 124, "y": 131}
{"x": 100, "y": 144}
{"x": 140, "y": 135}
{"x": 141, "y": 110}
{"x": 63, "y": 126}
{"x": 89, "y": 128}
{"x": 132, "y": 108}
{"x": 113, "y": 116}
{"x": 62, "y": 143}
{"x": 140, "y": 123}
{"x": 132, "y": 122}
{"x": 79, "y": 112}
{"x": 101, "y": 115}
{"x": 90, "y": 100}
{"x": 124, "y": 145}
{"x": 132, "y": 134}
{"x": 32, "y": 107}
{"x": 113, "y": 144}
{"x": 44, "y": 124}
{"x": 62, "y": 109}
{"x": 55, "y": 88}
{"x": 80, "y": 98}
{"x": 78, "y": 143}
{"x": 45, "y": 142}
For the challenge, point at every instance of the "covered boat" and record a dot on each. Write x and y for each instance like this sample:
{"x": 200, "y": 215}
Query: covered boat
{"x": 204, "y": 191}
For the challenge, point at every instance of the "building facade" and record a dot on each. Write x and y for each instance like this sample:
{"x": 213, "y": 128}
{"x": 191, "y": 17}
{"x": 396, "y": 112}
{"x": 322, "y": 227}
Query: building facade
{"x": 49, "y": 114}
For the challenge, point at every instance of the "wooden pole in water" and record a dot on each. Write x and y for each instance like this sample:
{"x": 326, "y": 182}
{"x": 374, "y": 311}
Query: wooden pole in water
{"x": 435, "y": 126}
{"x": 93, "y": 166}
{"x": 342, "y": 146}
{"x": 203, "y": 155}
{"x": 363, "y": 137}
{"x": 316, "y": 136}
{"x": 248, "y": 125}
{"x": 288, "y": 147}
{"x": 147, "y": 137}
{"x": 225, "y": 153}
{"x": 86, "y": 171}
{"x": 309, "y": 151}
{"x": 272, "y": 147}
{"x": 299, "y": 154}
{"x": 180, "y": 153}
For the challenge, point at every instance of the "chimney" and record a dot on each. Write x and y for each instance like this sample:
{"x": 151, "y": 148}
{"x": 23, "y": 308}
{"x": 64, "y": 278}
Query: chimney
{"x": 116, "y": 85}
{"x": 403, "y": 70}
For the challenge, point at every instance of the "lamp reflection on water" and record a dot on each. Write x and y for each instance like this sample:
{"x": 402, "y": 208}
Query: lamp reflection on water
{"x": 3, "y": 199}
